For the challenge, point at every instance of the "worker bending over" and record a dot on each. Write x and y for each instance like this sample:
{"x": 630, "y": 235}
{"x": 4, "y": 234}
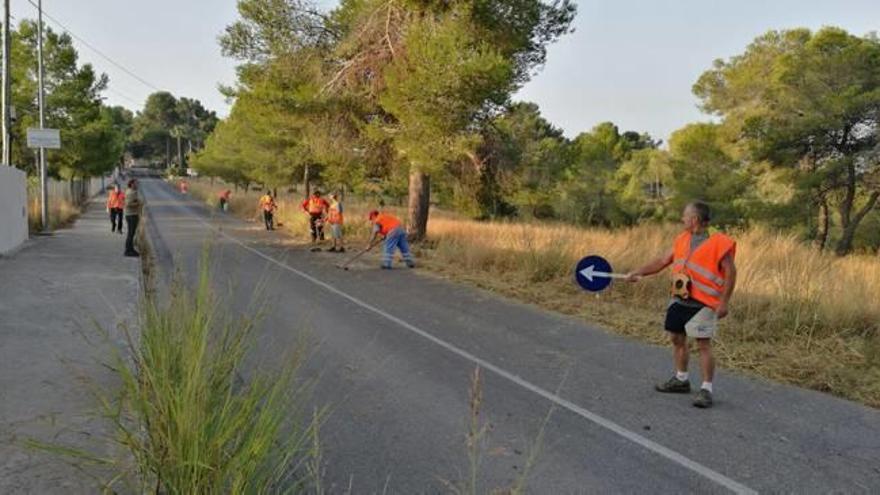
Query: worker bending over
{"x": 391, "y": 229}
{"x": 224, "y": 199}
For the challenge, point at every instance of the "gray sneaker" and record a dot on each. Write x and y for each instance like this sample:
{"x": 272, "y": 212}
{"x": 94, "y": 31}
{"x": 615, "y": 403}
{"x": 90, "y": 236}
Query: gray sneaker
{"x": 674, "y": 386}
{"x": 703, "y": 400}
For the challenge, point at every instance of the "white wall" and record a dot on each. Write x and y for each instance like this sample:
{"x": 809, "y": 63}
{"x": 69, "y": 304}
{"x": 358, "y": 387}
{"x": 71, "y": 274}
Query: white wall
{"x": 13, "y": 208}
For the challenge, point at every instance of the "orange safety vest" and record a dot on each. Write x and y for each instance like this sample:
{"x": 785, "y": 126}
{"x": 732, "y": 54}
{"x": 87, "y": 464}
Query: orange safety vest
{"x": 316, "y": 205}
{"x": 267, "y": 203}
{"x": 334, "y": 216}
{"x": 116, "y": 200}
{"x": 703, "y": 266}
{"x": 386, "y": 223}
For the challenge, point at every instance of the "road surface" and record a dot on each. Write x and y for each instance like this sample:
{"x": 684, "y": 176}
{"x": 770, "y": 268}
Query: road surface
{"x": 393, "y": 355}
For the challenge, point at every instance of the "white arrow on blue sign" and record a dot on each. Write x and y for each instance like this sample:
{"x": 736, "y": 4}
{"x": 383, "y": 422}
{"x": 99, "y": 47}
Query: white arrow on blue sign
{"x": 594, "y": 273}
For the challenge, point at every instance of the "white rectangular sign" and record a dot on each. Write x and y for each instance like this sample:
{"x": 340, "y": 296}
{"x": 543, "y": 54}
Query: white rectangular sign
{"x": 44, "y": 138}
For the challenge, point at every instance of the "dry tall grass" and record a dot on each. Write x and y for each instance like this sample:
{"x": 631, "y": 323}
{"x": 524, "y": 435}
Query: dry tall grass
{"x": 61, "y": 213}
{"x": 798, "y": 315}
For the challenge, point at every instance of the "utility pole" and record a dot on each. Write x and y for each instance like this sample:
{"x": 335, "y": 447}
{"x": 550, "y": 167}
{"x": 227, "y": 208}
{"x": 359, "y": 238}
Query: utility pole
{"x": 44, "y": 196}
{"x": 7, "y": 86}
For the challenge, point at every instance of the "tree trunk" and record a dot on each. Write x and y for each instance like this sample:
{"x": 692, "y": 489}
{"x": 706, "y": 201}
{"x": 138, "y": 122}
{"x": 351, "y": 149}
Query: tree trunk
{"x": 167, "y": 151}
{"x": 822, "y": 232}
{"x": 306, "y": 182}
{"x": 419, "y": 204}
{"x": 844, "y": 246}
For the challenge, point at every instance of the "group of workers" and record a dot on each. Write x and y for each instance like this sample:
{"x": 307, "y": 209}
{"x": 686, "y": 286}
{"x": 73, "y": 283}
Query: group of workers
{"x": 385, "y": 226}
{"x": 702, "y": 260}
{"x": 703, "y": 277}
{"x": 126, "y": 204}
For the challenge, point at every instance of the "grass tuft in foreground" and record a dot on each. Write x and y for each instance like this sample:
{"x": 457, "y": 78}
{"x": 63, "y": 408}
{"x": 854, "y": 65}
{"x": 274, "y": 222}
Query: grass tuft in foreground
{"x": 189, "y": 419}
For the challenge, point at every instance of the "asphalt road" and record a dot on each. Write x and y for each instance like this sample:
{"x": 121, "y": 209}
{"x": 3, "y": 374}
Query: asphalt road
{"x": 393, "y": 353}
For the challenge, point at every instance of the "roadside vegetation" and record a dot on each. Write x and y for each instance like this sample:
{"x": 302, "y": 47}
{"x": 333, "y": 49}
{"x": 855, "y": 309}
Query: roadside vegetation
{"x": 67, "y": 200}
{"x": 61, "y": 212}
{"x": 195, "y": 418}
{"x": 799, "y": 315}
{"x": 193, "y": 415}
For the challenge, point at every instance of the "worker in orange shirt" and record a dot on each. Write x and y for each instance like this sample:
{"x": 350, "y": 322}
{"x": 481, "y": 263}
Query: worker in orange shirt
{"x": 224, "y": 199}
{"x": 267, "y": 204}
{"x": 335, "y": 219}
{"x": 391, "y": 229}
{"x": 115, "y": 207}
{"x": 316, "y": 206}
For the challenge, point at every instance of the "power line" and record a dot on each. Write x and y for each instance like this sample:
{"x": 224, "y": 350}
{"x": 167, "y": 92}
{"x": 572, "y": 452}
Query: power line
{"x": 99, "y": 52}
{"x": 122, "y": 95}
{"x": 108, "y": 88}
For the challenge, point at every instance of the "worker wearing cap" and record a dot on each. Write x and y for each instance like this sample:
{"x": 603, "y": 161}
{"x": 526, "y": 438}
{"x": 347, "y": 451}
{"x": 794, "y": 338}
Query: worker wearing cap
{"x": 391, "y": 229}
{"x": 315, "y": 206}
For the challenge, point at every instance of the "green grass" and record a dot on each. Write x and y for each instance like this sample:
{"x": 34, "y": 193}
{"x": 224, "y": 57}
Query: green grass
{"x": 190, "y": 421}
{"x": 190, "y": 418}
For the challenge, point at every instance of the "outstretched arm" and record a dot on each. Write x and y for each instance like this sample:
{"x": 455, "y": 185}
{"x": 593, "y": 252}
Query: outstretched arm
{"x": 654, "y": 266}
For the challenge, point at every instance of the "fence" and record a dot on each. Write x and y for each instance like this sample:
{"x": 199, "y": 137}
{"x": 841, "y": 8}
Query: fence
{"x": 65, "y": 199}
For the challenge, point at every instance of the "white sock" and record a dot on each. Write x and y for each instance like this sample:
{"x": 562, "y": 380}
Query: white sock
{"x": 682, "y": 376}
{"x": 707, "y": 386}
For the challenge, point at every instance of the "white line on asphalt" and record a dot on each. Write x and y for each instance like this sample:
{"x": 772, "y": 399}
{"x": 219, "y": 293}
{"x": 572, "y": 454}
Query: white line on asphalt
{"x": 647, "y": 443}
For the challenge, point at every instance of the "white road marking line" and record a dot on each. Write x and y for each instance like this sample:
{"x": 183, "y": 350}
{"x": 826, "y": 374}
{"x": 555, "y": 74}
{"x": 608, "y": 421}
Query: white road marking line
{"x": 647, "y": 443}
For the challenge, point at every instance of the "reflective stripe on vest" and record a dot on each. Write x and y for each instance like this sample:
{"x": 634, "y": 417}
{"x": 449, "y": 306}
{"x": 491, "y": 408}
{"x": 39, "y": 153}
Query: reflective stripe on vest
{"x": 703, "y": 265}
{"x": 316, "y": 206}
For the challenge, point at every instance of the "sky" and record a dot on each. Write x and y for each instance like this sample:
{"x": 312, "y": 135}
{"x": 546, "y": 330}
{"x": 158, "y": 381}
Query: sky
{"x": 632, "y": 63}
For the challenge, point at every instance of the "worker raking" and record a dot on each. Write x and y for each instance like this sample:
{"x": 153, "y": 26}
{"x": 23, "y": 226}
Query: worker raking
{"x": 390, "y": 228}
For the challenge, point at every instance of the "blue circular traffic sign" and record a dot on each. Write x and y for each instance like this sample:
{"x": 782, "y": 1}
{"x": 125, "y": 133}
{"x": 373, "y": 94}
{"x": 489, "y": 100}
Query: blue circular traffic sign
{"x": 593, "y": 273}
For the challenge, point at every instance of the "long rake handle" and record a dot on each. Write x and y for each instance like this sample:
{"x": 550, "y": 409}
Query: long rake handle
{"x": 355, "y": 257}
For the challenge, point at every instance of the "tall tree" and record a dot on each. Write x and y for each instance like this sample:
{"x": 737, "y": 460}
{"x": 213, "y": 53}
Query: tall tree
{"x": 702, "y": 168}
{"x": 468, "y": 56}
{"x": 809, "y": 102}
{"x": 153, "y": 125}
{"x": 90, "y": 141}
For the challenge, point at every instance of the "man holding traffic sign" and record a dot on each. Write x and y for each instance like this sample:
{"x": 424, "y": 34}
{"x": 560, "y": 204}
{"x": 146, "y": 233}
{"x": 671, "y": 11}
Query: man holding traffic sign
{"x": 703, "y": 280}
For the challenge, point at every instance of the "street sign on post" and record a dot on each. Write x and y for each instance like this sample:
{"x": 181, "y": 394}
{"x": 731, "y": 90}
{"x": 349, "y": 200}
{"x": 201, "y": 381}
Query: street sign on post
{"x": 594, "y": 273}
{"x": 44, "y": 138}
